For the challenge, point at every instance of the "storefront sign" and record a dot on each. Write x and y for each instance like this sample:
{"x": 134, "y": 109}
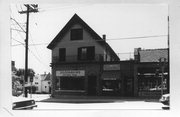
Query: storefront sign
{"x": 111, "y": 67}
{"x": 70, "y": 73}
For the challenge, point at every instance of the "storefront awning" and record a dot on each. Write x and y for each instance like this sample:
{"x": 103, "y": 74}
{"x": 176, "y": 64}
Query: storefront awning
{"x": 111, "y": 75}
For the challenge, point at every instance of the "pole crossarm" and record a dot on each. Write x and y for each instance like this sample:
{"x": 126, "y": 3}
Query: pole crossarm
{"x": 32, "y": 8}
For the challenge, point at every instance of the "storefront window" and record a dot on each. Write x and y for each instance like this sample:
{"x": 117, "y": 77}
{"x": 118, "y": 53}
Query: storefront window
{"x": 151, "y": 84}
{"x": 110, "y": 85}
{"x": 71, "y": 83}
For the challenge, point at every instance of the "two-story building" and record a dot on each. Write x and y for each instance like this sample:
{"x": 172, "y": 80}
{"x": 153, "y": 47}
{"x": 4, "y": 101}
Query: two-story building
{"x": 78, "y": 53}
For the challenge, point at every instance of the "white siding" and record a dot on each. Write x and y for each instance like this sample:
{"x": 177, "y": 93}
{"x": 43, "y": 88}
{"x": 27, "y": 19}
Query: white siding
{"x": 71, "y": 46}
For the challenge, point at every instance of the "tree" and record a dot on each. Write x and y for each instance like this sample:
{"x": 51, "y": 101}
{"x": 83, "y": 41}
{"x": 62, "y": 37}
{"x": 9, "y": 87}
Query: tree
{"x": 20, "y": 72}
{"x": 18, "y": 79}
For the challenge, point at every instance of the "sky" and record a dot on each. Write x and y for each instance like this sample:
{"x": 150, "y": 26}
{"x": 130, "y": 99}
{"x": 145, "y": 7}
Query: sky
{"x": 122, "y": 24}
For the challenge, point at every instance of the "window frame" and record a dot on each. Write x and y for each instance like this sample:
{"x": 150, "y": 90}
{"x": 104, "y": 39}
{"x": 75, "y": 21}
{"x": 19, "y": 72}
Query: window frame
{"x": 62, "y": 57}
{"x": 84, "y": 55}
{"x": 76, "y": 34}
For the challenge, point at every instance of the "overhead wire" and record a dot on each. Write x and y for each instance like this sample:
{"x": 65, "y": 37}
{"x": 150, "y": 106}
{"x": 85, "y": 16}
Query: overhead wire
{"x": 65, "y": 7}
{"x": 31, "y": 52}
{"x": 18, "y": 41}
{"x": 38, "y": 58}
{"x": 114, "y": 39}
{"x": 34, "y": 46}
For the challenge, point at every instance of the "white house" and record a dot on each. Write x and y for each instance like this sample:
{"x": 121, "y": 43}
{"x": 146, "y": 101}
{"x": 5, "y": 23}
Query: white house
{"x": 46, "y": 84}
{"x": 42, "y": 83}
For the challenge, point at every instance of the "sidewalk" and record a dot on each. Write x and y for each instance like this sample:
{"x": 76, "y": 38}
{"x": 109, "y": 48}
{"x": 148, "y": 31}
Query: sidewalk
{"x": 95, "y": 99}
{"x": 37, "y": 97}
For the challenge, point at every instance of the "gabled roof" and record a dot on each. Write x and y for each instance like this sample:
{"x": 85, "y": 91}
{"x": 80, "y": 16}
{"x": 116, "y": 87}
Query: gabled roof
{"x": 74, "y": 20}
{"x": 47, "y": 77}
{"x": 153, "y": 55}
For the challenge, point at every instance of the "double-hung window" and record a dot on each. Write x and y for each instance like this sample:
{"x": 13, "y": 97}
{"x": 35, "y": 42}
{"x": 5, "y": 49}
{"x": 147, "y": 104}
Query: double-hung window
{"x": 76, "y": 34}
{"x": 62, "y": 54}
{"x": 86, "y": 53}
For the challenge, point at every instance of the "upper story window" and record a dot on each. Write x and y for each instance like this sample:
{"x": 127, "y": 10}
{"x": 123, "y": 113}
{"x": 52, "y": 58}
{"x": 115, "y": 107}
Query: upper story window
{"x": 86, "y": 53}
{"x": 77, "y": 34}
{"x": 62, "y": 54}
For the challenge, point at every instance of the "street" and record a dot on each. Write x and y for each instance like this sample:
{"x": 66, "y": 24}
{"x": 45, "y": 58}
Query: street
{"x": 45, "y": 103}
{"x": 118, "y": 105}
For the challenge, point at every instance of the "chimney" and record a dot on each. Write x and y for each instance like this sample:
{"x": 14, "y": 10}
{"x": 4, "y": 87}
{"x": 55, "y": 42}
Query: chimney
{"x": 136, "y": 54}
{"x": 104, "y": 37}
{"x": 13, "y": 63}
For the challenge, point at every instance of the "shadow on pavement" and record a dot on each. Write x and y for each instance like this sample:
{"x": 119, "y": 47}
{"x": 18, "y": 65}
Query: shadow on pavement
{"x": 96, "y": 99}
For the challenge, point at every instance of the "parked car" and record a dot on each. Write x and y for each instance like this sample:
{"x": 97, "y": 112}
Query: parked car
{"x": 165, "y": 100}
{"x": 20, "y": 103}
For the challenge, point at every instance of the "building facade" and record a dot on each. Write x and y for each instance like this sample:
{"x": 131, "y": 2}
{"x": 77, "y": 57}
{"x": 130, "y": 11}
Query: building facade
{"x": 151, "y": 72}
{"x": 84, "y": 64}
{"x": 78, "y": 55}
{"x": 42, "y": 82}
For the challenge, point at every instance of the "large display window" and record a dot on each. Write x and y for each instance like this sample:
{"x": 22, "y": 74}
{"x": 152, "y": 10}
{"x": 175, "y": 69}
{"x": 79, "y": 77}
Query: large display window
{"x": 152, "y": 84}
{"x": 110, "y": 85}
{"x": 70, "y": 83}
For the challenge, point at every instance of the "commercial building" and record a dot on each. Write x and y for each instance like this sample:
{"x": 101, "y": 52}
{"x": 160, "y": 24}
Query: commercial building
{"x": 82, "y": 62}
{"x": 151, "y": 73}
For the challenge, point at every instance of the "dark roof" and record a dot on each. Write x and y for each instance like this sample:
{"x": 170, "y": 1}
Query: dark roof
{"x": 48, "y": 77}
{"x": 74, "y": 20}
{"x": 153, "y": 55}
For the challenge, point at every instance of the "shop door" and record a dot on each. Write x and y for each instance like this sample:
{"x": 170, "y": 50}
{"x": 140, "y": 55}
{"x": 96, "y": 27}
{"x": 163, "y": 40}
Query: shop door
{"x": 92, "y": 83}
{"x": 128, "y": 87}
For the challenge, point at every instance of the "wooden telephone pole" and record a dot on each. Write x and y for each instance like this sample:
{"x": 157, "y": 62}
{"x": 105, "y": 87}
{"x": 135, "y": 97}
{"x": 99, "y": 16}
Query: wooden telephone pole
{"x": 30, "y": 8}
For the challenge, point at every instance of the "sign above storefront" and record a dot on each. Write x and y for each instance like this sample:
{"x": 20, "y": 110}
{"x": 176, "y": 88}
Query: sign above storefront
{"x": 111, "y": 67}
{"x": 70, "y": 73}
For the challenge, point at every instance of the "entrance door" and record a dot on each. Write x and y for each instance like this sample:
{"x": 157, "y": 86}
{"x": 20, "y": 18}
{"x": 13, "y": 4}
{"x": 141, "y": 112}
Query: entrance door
{"x": 92, "y": 84}
{"x": 128, "y": 88}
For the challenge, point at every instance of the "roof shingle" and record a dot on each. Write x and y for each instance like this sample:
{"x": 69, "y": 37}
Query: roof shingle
{"x": 153, "y": 55}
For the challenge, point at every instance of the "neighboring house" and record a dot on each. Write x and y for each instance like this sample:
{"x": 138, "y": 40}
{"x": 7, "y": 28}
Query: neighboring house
{"x": 151, "y": 71}
{"x": 37, "y": 83}
{"x": 77, "y": 54}
{"x": 46, "y": 84}
{"x": 42, "y": 83}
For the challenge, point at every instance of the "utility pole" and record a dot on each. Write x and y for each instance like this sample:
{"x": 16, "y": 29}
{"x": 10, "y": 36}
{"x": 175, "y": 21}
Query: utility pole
{"x": 30, "y": 8}
{"x": 168, "y": 80}
{"x": 162, "y": 67}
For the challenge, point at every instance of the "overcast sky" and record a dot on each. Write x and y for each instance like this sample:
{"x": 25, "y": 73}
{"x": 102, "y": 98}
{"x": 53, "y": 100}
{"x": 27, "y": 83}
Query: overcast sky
{"x": 117, "y": 21}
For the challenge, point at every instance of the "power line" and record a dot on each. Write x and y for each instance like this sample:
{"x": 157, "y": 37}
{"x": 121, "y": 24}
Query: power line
{"x": 137, "y": 37}
{"x": 38, "y": 59}
{"x": 65, "y": 7}
{"x": 18, "y": 32}
{"x": 115, "y": 39}
{"x": 39, "y": 44}
{"x": 30, "y": 51}
{"x": 18, "y": 24}
{"x": 34, "y": 46}
{"x": 18, "y": 41}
